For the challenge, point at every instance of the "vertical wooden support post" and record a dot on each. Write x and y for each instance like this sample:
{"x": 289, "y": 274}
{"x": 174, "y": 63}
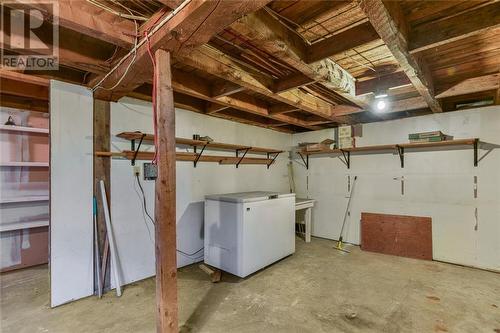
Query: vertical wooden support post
{"x": 102, "y": 167}
{"x": 165, "y": 229}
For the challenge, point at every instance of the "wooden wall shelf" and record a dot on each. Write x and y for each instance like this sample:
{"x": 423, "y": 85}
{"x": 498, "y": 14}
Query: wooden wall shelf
{"x": 190, "y": 157}
{"x": 196, "y": 156}
{"x": 400, "y": 149}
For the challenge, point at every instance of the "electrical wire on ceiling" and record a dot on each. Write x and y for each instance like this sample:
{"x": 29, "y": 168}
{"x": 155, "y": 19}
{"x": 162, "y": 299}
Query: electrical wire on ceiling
{"x": 129, "y": 65}
{"x": 358, "y": 62}
{"x": 282, "y": 18}
{"x": 130, "y": 15}
{"x": 150, "y": 32}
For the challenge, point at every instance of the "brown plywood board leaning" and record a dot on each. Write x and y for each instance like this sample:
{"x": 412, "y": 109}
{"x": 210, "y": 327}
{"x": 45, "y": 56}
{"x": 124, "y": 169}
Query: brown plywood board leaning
{"x": 399, "y": 235}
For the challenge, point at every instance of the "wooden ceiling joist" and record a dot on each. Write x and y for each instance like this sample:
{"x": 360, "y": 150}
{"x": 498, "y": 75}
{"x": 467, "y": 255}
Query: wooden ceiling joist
{"x": 193, "y": 25}
{"x": 214, "y": 62}
{"x": 382, "y": 83}
{"x": 25, "y": 103}
{"x": 85, "y": 18}
{"x": 388, "y": 20}
{"x": 472, "y": 85}
{"x": 281, "y": 42}
{"x": 189, "y": 84}
{"x": 343, "y": 41}
{"x": 24, "y": 89}
{"x": 224, "y": 88}
{"x": 468, "y": 23}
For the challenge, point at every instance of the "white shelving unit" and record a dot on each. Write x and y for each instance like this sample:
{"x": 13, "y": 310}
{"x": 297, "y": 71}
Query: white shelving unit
{"x": 24, "y": 129}
{"x": 20, "y": 201}
{"x": 33, "y": 198}
{"x": 24, "y": 164}
{"x": 17, "y": 225}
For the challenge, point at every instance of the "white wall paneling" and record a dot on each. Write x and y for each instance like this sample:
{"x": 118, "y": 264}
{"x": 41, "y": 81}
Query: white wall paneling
{"x": 71, "y": 191}
{"x": 437, "y": 184}
{"x": 131, "y": 226}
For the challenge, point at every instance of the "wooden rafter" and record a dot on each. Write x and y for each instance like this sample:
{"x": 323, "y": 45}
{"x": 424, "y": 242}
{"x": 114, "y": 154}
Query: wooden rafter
{"x": 388, "y": 20}
{"x": 190, "y": 85}
{"x": 224, "y": 88}
{"x": 85, "y": 18}
{"x": 193, "y": 25}
{"x": 279, "y": 41}
{"x": 212, "y": 61}
{"x": 472, "y": 85}
{"x": 343, "y": 41}
{"x": 479, "y": 20}
{"x": 383, "y": 83}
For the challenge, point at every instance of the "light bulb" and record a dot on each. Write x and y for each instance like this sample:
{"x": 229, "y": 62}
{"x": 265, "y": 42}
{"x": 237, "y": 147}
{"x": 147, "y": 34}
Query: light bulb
{"x": 381, "y": 105}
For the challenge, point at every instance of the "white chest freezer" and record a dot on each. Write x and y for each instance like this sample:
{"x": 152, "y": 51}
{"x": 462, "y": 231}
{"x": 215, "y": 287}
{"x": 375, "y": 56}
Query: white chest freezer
{"x": 245, "y": 232}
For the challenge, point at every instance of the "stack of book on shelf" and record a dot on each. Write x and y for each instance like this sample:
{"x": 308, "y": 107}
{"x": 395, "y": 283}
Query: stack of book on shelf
{"x": 435, "y": 136}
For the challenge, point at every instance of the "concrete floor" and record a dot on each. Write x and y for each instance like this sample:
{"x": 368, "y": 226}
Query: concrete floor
{"x": 315, "y": 290}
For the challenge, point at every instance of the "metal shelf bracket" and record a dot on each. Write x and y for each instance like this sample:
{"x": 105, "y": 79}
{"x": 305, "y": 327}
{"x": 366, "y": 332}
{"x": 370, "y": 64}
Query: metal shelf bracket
{"x": 245, "y": 151}
{"x": 274, "y": 159}
{"x": 401, "y": 153}
{"x": 136, "y": 151}
{"x": 195, "y": 162}
{"x": 346, "y": 158}
{"x": 305, "y": 160}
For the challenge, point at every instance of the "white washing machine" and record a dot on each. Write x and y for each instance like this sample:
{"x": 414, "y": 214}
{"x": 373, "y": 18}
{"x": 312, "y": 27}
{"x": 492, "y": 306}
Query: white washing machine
{"x": 247, "y": 231}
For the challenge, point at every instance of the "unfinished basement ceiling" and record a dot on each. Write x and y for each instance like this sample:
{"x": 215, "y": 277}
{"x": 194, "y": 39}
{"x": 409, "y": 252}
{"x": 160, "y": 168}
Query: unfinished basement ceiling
{"x": 292, "y": 66}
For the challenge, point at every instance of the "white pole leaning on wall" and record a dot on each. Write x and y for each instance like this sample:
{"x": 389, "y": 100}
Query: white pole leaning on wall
{"x": 112, "y": 247}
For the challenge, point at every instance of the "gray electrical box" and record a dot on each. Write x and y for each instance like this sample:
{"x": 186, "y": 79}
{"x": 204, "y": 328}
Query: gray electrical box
{"x": 150, "y": 171}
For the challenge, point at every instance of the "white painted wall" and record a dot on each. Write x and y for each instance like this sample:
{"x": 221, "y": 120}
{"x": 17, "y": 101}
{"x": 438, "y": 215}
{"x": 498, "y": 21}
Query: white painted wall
{"x": 134, "y": 240}
{"x": 71, "y": 190}
{"x": 437, "y": 184}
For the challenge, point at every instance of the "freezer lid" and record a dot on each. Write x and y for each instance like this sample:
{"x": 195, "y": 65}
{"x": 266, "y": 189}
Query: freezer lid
{"x": 248, "y": 196}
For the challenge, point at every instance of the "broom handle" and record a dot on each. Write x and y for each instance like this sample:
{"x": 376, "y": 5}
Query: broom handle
{"x": 347, "y": 208}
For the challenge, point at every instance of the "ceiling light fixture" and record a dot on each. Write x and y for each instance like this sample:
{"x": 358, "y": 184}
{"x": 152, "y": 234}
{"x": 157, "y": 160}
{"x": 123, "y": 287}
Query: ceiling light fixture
{"x": 381, "y": 105}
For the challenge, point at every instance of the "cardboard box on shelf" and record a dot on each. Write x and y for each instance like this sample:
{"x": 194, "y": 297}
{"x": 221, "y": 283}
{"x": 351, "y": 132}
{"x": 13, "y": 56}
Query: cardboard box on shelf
{"x": 347, "y": 143}
{"x": 345, "y": 131}
{"x": 323, "y": 145}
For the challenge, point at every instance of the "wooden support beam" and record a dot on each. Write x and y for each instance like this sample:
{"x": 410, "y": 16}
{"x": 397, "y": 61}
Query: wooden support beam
{"x": 277, "y": 39}
{"x": 388, "y": 20}
{"x": 172, "y": 4}
{"x": 190, "y": 85}
{"x": 343, "y": 41}
{"x": 27, "y": 103}
{"x": 24, "y": 89}
{"x": 282, "y": 108}
{"x": 292, "y": 81}
{"x": 193, "y": 25}
{"x": 165, "y": 215}
{"x": 224, "y": 88}
{"x": 469, "y": 23}
{"x": 85, "y": 18}
{"x": 17, "y": 76}
{"x": 212, "y": 61}
{"x": 214, "y": 108}
{"x": 383, "y": 83}
{"x": 472, "y": 85}
{"x": 102, "y": 171}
